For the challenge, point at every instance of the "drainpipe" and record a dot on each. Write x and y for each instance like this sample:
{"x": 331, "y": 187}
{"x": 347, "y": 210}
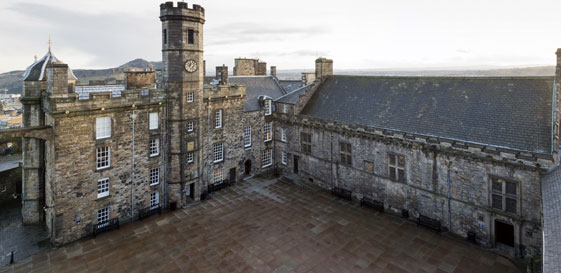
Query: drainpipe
{"x": 449, "y": 163}
{"x": 133, "y": 117}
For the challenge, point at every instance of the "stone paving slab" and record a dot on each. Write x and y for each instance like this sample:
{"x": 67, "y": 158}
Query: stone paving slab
{"x": 268, "y": 226}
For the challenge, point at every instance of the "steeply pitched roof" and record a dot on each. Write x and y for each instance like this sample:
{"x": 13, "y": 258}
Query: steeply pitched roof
{"x": 292, "y": 97}
{"x": 290, "y": 85}
{"x": 551, "y": 193}
{"x": 255, "y": 87}
{"x": 513, "y": 113}
{"x": 36, "y": 71}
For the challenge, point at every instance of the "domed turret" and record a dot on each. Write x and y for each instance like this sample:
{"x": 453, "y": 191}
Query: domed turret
{"x": 37, "y": 71}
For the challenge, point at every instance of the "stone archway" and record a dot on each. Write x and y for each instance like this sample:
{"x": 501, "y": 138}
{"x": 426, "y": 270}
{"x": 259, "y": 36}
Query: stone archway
{"x": 247, "y": 167}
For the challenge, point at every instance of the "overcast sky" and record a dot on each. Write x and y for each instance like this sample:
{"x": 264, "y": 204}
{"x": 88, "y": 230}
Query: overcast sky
{"x": 290, "y": 34}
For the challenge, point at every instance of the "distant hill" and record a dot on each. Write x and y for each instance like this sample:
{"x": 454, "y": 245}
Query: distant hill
{"x": 12, "y": 80}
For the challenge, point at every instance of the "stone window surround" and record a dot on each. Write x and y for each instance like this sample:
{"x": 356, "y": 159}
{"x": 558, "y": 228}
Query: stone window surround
{"x": 154, "y": 176}
{"x": 101, "y": 123}
{"x": 305, "y": 145}
{"x": 397, "y": 167}
{"x": 345, "y": 156}
{"x": 218, "y": 152}
{"x": 153, "y": 121}
{"x": 154, "y": 199}
{"x": 267, "y": 158}
{"x": 102, "y": 188}
{"x": 155, "y": 147}
{"x": 98, "y": 160}
{"x": 268, "y": 131}
{"x": 518, "y": 195}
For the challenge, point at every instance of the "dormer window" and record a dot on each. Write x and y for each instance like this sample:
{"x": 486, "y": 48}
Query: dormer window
{"x": 268, "y": 107}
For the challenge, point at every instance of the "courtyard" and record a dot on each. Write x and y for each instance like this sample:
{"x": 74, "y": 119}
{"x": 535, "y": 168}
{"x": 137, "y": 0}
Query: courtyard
{"x": 263, "y": 225}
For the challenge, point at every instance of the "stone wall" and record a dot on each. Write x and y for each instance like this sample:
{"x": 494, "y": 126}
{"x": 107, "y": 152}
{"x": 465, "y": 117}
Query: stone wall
{"x": 245, "y": 67}
{"x": 140, "y": 79}
{"x": 432, "y": 173}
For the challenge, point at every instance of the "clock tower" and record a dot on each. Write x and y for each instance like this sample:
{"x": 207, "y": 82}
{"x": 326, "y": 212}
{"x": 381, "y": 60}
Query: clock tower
{"x": 182, "y": 72}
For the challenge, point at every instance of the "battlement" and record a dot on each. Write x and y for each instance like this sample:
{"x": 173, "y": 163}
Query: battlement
{"x": 181, "y": 9}
{"x": 223, "y": 92}
{"x": 70, "y": 103}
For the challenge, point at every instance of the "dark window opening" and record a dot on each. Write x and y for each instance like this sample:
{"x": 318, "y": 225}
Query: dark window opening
{"x": 165, "y": 36}
{"x": 504, "y": 195}
{"x": 346, "y": 153}
{"x": 396, "y": 165}
{"x": 190, "y": 36}
{"x": 306, "y": 143}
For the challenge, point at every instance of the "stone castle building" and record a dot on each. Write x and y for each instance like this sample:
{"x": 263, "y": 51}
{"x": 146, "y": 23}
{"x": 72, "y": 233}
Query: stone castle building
{"x": 468, "y": 153}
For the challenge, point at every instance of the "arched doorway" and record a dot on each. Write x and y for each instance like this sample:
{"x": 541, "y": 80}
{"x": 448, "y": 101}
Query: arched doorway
{"x": 247, "y": 167}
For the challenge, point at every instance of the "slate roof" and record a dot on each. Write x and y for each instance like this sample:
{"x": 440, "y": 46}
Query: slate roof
{"x": 292, "y": 97}
{"x": 513, "y": 113}
{"x": 36, "y": 71}
{"x": 255, "y": 87}
{"x": 290, "y": 85}
{"x": 551, "y": 194}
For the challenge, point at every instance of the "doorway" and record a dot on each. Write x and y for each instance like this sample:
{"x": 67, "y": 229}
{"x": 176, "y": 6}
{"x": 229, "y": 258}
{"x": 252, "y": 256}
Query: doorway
{"x": 232, "y": 175}
{"x": 247, "y": 167}
{"x": 296, "y": 164}
{"x": 504, "y": 233}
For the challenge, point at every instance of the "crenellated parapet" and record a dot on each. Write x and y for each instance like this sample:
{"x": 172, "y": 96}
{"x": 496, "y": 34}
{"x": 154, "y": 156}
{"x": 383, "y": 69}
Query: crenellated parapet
{"x": 102, "y": 101}
{"x": 181, "y": 11}
{"x": 220, "y": 92}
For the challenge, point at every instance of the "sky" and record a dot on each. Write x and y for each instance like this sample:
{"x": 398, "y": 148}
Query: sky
{"x": 291, "y": 34}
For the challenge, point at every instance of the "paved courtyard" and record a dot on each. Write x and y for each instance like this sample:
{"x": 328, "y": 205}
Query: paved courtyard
{"x": 268, "y": 226}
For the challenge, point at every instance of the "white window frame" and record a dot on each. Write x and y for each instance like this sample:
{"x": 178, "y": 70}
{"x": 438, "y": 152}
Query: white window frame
{"x": 101, "y": 158}
{"x": 102, "y": 127}
{"x": 154, "y": 176}
{"x": 283, "y": 134}
{"x": 103, "y": 215}
{"x": 4, "y": 188}
{"x": 218, "y": 119}
{"x": 268, "y": 107}
{"x": 284, "y": 158}
{"x": 153, "y": 121}
{"x": 267, "y": 158}
{"x": 218, "y": 176}
{"x": 190, "y": 97}
{"x": 190, "y": 126}
{"x": 285, "y": 108}
{"x": 218, "y": 152}
{"x": 154, "y": 147}
{"x": 154, "y": 200}
{"x": 268, "y": 131}
{"x": 190, "y": 157}
{"x": 102, "y": 187}
{"x": 247, "y": 136}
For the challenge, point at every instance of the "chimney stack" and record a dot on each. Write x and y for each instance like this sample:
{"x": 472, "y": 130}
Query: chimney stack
{"x": 324, "y": 68}
{"x": 274, "y": 71}
{"x": 222, "y": 74}
{"x": 57, "y": 78}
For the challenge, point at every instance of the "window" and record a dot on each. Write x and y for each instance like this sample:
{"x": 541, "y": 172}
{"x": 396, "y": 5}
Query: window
{"x": 102, "y": 127}
{"x": 285, "y": 108}
{"x": 218, "y": 176}
{"x": 284, "y": 158}
{"x": 504, "y": 196}
{"x": 3, "y": 188}
{"x": 218, "y": 119}
{"x": 165, "y": 36}
{"x": 102, "y": 216}
{"x": 154, "y": 147}
{"x": 154, "y": 176}
{"x": 397, "y": 167}
{"x": 218, "y": 152}
{"x": 283, "y": 134}
{"x": 154, "y": 200}
{"x": 268, "y": 131}
{"x": 153, "y": 122}
{"x": 190, "y": 126}
{"x": 306, "y": 143}
{"x": 345, "y": 152}
{"x": 190, "y": 157}
{"x": 247, "y": 136}
{"x": 368, "y": 166}
{"x": 190, "y": 36}
{"x": 191, "y": 146}
{"x": 103, "y": 157}
{"x": 268, "y": 107}
{"x": 102, "y": 187}
{"x": 190, "y": 97}
{"x": 266, "y": 158}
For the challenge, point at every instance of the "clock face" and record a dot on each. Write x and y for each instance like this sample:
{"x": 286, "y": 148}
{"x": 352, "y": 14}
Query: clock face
{"x": 191, "y": 66}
